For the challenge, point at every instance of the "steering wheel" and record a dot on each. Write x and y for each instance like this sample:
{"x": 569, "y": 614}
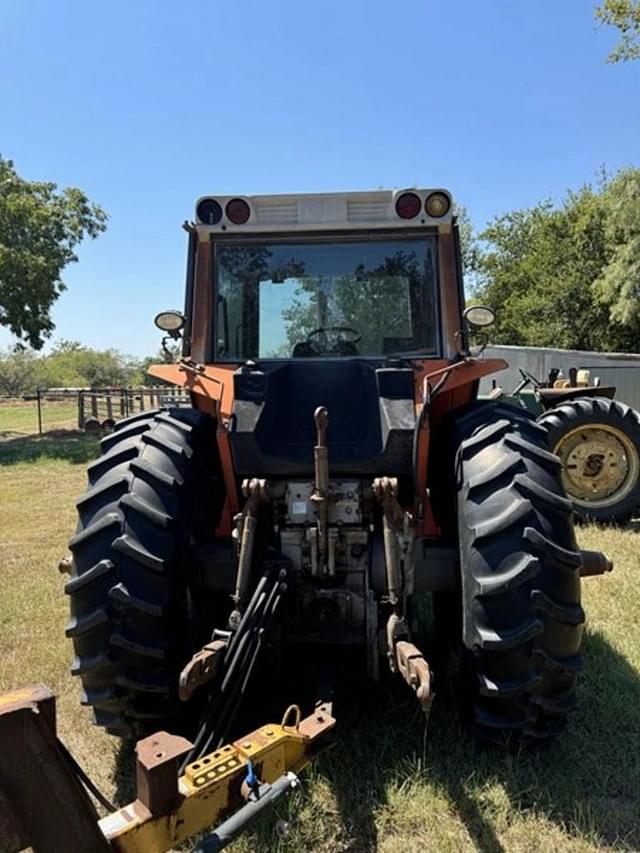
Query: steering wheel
{"x": 529, "y": 377}
{"x": 345, "y": 333}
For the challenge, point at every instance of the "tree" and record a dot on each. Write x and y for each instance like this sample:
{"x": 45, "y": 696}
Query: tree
{"x": 68, "y": 365}
{"x": 468, "y": 241}
{"x": 71, "y": 364}
{"x": 618, "y": 286}
{"x": 567, "y": 276}
{"x": 40, "y": 229}
{"x": 625, "y": 15}
{"x": 18, "y": 372}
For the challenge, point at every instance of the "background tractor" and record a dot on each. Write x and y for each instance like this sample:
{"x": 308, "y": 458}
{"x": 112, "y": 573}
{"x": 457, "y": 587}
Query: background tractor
{"x": 334, "y": 462}
{"x": 596, "y": 438}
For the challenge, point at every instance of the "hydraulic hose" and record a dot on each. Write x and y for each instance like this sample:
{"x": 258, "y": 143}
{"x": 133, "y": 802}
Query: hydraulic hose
{"x": 235, "y": 684}
{"x": 239, "y": 664}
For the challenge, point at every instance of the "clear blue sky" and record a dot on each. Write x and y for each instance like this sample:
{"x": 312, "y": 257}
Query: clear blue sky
{"x": 148, "y": 104}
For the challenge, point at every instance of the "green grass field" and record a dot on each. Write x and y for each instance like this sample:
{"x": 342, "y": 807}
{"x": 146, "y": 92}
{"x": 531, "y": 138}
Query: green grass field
{"x": 388, "y": 785}
{"x": 20, "y": 417}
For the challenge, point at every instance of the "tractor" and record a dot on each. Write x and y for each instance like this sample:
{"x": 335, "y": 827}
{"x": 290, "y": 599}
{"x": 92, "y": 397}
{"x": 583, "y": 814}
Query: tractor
{"x": 596, "y": 438}
{"x": 334, "y": 464}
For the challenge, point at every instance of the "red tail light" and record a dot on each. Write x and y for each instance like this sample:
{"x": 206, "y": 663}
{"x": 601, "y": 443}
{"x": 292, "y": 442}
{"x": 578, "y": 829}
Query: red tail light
{"x": 238, "y": 211}
{"x": 408, "y": 205}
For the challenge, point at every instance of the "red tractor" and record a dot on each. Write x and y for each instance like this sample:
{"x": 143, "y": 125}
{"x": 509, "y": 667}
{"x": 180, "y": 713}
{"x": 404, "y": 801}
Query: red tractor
{"x": 334, "y": 463}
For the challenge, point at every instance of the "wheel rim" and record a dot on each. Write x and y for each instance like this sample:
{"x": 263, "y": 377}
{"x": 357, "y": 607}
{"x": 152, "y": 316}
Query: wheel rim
{"x": 600, "y": 465}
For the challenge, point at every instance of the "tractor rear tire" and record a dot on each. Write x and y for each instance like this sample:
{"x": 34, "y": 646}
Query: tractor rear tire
{"x": 605, "y": 433}
{"x": 519, "y": 574}
{"x": 154, "y": 491}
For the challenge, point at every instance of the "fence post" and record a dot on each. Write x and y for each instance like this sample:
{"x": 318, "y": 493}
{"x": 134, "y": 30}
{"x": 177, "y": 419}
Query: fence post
{"x": 39, "y": 401}
{"x": 81, "y": 409}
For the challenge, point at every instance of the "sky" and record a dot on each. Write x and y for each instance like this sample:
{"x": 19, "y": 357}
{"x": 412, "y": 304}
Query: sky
{"x": 148, "y": 104}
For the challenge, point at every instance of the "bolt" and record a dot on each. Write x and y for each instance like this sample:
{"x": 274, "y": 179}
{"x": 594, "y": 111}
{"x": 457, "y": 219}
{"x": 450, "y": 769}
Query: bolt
{"x": 246, "y": 744}
{"x": 64, "y": 566}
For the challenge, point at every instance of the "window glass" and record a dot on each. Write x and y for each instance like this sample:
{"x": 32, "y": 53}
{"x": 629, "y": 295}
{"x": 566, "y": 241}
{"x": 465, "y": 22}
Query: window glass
{"x": 323, "y": 299}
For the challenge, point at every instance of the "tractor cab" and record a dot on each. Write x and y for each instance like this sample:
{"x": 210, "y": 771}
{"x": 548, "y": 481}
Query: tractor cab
{"x": 334, "y": 300}
{"x": 327, "y": 311}
{"x": 323, "y": 276}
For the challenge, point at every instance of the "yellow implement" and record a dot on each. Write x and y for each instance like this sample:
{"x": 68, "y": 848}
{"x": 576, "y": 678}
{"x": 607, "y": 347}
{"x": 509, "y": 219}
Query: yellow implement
{"x": 46, "y": 807}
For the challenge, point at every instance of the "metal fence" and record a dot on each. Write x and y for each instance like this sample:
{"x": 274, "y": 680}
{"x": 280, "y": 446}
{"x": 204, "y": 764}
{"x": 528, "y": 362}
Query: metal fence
{"x": 56, "y": 409}
{"x": 101, "y": 408}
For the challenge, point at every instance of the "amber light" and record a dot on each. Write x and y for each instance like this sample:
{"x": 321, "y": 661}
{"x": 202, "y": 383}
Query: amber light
{"x": 238, "y": 211}
{"x": 437, "y": 205}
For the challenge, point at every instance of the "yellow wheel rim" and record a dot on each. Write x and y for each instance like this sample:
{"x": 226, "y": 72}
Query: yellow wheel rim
{"x": 600, "y": 465}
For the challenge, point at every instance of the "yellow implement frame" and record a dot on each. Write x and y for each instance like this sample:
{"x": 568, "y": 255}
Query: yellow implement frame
{"x": 211, "y": 788}
{"x": 169, "y": 808}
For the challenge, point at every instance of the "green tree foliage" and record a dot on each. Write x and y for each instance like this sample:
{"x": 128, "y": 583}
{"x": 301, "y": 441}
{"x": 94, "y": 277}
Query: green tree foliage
{"x": 618, "y": 286}
{"x": 468, "y": 241}
{"x": 625, "y": 15}
{"x": 18, "y": 372}
{"x": 40, "y": 229}
{"x": 68, "y": 365}
{"x": 567, "y": 276}
{"x": 83, "y": 366}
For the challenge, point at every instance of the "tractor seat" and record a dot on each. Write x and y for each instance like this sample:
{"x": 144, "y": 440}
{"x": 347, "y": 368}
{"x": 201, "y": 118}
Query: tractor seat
{"x": 305, "y": 349}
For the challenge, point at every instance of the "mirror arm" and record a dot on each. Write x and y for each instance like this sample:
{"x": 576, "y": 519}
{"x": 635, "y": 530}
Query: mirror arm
{"x": 462, "y": 346}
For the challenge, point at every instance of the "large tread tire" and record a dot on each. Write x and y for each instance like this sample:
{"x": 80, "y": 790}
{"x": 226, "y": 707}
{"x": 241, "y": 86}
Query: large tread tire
{"x": 520, "y": 576}
{"x": 590, "y": 412}
{"x": 131, "y": 622}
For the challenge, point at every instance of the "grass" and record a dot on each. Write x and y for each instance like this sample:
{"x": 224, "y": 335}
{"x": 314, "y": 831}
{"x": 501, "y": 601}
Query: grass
{"x": 389, "y": 784}
{"x": 71, "y": 445}
{"x": 21, "y": 416}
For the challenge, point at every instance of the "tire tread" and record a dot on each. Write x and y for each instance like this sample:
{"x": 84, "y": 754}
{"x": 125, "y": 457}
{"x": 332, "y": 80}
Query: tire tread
{"x": 522, "y": 618}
